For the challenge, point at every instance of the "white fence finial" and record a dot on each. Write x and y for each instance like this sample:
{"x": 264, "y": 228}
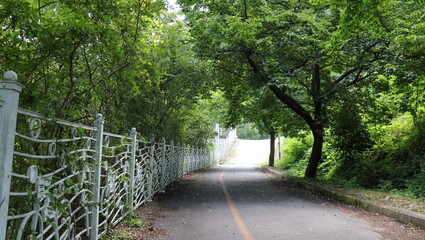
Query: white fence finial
{"x": 10, "y": 76}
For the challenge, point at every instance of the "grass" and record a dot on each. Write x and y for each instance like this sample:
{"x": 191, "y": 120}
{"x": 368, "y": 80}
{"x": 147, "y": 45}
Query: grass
{"x": 117, "y": 235}
{"x": 394, "y": 198}
{"x": 133, "y": 220}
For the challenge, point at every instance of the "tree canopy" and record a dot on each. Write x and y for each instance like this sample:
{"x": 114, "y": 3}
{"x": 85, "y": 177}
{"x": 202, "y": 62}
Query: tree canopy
{"x": 345, "y": 78}
{"x": 128, "y": 59}
{"x": 303, "y": 51}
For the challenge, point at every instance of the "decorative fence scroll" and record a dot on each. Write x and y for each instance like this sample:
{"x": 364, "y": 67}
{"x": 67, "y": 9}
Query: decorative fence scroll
{"x": 61, "y": 180}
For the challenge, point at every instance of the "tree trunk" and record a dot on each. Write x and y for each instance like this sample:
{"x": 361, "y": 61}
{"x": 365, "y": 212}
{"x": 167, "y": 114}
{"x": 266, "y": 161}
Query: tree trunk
{"x": 316, "y": 152}
{"x": 272, "y": 148}
{"x": 315, "y": 121}
{"x": 316, "y": 126}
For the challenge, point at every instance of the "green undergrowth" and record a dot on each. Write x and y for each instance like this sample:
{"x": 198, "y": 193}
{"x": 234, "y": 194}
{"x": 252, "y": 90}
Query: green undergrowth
{"x": 387, "y": 157}
{"x": 395, "y": 198}
{"x": 133, "y": 220}
{"x": 117, "y": 235}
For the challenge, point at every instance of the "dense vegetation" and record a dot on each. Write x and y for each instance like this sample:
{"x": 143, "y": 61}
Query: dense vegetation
{"x": 127, "y": 59}
{"x": 348, "y": 76}
{"x": 250, "y": 131}
{"x": 343, "y": 79}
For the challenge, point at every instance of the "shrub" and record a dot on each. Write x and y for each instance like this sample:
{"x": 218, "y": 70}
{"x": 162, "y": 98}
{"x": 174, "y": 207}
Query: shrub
{"x": 132, "y": 220}
{"x": 416, "y": 186}
{"x": 396, "y": 157}
{"x": 295, "y": 154}
{"x": 346, "y": 141}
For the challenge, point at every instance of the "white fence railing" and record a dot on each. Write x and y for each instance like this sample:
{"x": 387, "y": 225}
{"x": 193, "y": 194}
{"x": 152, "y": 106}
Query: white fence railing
{"x": 62, "y": 180}
{"x": 224, "y": 142}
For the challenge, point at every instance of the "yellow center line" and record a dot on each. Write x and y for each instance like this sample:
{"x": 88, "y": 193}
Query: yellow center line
{"x": 236, "y": 217}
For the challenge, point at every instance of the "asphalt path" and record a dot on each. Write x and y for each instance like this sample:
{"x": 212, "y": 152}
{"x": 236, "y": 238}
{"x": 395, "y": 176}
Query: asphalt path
{"x": 242, "y": 203}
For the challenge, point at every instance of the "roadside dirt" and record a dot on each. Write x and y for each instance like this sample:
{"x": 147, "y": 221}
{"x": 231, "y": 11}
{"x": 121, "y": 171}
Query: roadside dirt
{"x": 148, "y": 214}
{"x": 388, "y": 199}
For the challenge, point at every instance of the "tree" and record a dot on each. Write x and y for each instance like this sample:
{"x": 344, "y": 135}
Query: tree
{"x": 269, "y": 117}
{"x": 262, "y": 108}
{"x": 172, "y": 87}
{"x": 70, "y": 53}
{"x": 295, "y": 48}
{"x": 127, "y": 59}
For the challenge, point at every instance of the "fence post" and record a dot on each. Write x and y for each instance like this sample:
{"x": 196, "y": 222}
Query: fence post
{"x": 191, "y": 158}
{"x": 204, "y": 157}
{"x": 172, "y": 163}
{"x": 198, "y": 158}
{"x": 217, "y": 144}
{"x": 97, "y": 168}
{"x": 179, "y": 160}
{"x": 163, "y": 165}
{"x": 201, "y": 157}
{"x": 151, "y": 172}
{"x": 194, "y": 158}
{"x": 185, "y": 159}
{"x": 133, "y": 136}
{"x": 9, "y": 98}
{"x": 195, "y": 153}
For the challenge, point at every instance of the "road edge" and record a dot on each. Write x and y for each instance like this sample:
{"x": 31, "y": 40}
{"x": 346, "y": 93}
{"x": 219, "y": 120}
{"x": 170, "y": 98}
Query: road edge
{"x": 401, "y": 215}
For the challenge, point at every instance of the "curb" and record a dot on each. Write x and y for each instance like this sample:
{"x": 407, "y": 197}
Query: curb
{"x": 401, "y": 215}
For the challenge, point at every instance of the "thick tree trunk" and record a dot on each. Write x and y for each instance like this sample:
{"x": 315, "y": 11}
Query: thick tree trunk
{"x": 316, "y": 153}
{"x": 315, "y": 121}
{"x": 316, "y": 126}
{"x": 272, "y": 148}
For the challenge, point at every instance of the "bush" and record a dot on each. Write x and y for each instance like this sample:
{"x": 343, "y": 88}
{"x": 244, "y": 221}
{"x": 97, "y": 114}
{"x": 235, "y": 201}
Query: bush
{"x": 117, "y": 235}
{"x": 346, "y": 141}
{"x": 396, "y": 157}
{"x": 295, "y": 154}
{"x": 133, "y": 220}
{"x": 417, "y": 185}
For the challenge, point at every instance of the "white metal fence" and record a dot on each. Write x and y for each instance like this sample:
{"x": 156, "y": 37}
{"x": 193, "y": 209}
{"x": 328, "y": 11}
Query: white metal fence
{"x": 62, "y": 180}
{"x": 224, "y": 142}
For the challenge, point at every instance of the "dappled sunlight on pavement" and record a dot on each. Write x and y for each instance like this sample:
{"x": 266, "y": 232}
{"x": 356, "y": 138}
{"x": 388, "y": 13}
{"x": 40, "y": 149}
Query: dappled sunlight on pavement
{"x": 242, "y": 203}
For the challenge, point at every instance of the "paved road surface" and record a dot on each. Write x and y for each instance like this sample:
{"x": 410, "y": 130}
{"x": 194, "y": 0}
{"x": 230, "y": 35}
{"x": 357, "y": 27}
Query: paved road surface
{"x": 242, "y": 203}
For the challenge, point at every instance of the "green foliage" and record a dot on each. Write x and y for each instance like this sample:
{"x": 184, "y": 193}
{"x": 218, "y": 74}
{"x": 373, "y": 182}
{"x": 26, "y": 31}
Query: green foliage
{"x": 126, "y": 59}
{"x": 416, "y": 186}
{"x": 249, "y": 131}
{"x": 140, "y": 67}
{"x": 117, "y": 235}
{"x": 295, "y": 154}
{"x": 395, "y": 158}
{"x": 260, "y": 44}
{"x": 133, "y": 220}
{"x": 348, "y": 139}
